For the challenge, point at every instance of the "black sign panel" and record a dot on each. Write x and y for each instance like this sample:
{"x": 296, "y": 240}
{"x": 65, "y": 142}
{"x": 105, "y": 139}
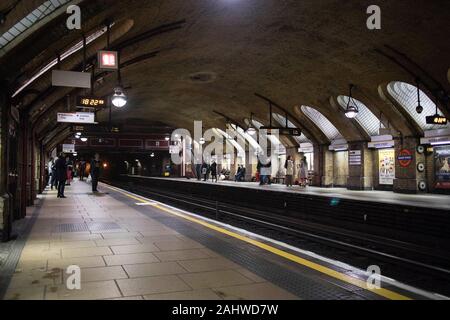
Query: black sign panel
{"x": 437, "y": 119}
{"x": 294, "y": 132}
{"x": 90, "y": 102}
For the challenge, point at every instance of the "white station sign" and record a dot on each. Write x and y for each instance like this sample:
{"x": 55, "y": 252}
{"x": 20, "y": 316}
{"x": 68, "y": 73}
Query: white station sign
{"x": 68, "y": 148}
{"x": 79, "y": 117}
{"x": 61, "y": 78}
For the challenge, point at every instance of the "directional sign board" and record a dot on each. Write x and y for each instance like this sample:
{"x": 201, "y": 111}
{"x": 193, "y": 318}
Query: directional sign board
{"x": 61, "y": 78}
{"x": 79, "y": 117}
{"x": 68, "y": 148}
{"x": 283, "y": 131}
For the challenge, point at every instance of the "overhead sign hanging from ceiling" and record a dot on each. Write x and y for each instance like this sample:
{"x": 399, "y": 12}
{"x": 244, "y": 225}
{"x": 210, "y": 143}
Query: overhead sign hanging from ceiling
{"x": 71, "y": 79}
{"x": 90, "y": 102}
{"x": 68, "y": 148}
{"x": 437, "y": 119}
{"x": 108, "y": 60}
{"x": 79, "y": 117}
{"x": 282, "y": 131}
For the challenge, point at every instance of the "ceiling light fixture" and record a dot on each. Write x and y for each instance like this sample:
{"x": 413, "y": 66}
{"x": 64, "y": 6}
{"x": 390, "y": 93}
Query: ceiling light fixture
{"x": 251, "y": 128}
{"x": 84, "y": 139}
{"x": 352, "y": 109}
{"x": 419, "y": 107}
{"x": 119, "y": 98}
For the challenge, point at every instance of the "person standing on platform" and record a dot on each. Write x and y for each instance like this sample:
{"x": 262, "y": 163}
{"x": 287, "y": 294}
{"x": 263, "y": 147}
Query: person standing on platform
{"x": 214, "y": 171}
{"x": 261, "y": 171}
{"x": 205, "y": 171}
{"x": 50, "y": 172}
{"x": 289, "y": 166}
{"x": 198, "y": 171}
{"x": 61, "y": 174}
{"x": 82, "y": 169}
{"x": 268, "y": 173}
{"x": 54, "y": 178}
{"x": 303, "y": 172}
{"x": 69, "y": 170}
{"x": 95, "y": 172}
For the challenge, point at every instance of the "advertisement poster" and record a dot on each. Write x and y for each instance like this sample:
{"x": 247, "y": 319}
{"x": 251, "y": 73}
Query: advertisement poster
{"x": 387, "y": 166}
{"x": 442, "y": 167}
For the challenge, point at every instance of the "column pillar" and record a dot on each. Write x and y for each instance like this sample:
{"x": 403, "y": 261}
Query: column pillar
{"x": 317, "y": 176}
{"x": 23, "y": 173}
{"x": 360, "y": 162}
{"x": 6, "y": 218}
{"x": 406, "y": 177}
{"x": 326, "y": 165}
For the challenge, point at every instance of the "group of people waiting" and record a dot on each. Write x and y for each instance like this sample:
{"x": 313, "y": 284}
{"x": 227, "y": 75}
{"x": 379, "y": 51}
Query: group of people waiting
{"x": 264, "y": 172}
{"x": 302, "y": 172}
{"x": 206, "y": 171}
{"x": 240, "y": 174}
{"x": 61, "y": 172}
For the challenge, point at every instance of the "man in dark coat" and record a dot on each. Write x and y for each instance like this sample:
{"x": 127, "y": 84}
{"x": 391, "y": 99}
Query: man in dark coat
{"x": 95, "y": 172}
{"x": 61, "y": 174}
{"x": 214, "y": 171}
{"x": 82, "y": 169}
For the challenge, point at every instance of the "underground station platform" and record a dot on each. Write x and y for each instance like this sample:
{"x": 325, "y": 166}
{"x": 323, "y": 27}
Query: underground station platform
{"x": 224, "y": 159}
{"x": 131, "y": 247}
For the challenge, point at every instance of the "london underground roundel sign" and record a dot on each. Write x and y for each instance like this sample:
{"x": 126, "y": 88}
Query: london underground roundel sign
{"x": 405, "y": 158}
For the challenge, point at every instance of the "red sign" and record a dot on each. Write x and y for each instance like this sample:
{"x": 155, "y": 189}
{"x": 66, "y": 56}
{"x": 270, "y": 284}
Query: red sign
{"x": 405, "y": 158}
{"x": 108, "y": 60}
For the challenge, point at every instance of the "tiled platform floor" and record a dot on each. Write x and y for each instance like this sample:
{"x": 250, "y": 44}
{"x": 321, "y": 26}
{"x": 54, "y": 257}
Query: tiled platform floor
{"x": 141, "y": 259}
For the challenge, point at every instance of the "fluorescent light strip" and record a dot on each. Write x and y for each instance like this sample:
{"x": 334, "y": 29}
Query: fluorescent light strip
{"x": 440, "y": 143}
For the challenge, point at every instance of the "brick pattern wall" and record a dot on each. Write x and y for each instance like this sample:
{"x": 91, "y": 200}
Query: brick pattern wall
{"x": 368, "y": 167}
{"x": 430, "y": 171}
{"x": 341, "y": 168}
{"x": 406, "y": 178}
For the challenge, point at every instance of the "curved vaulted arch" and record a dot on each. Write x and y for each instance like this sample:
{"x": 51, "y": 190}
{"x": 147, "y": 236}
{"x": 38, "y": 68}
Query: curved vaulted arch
{"x": 406, "y": 96}
{"x": 282, "y": 121}
{"x": 322, "y": 122}
{"x": 365, "y": 118}
{"x": 31, "y": 22}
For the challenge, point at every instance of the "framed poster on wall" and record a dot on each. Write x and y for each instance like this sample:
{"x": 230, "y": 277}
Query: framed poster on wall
{"x": 386, "y": 166}
{"x": 442, "y": 167}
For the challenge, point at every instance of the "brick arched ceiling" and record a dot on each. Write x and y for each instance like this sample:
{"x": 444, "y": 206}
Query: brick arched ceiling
{"x": 296, "y": 52}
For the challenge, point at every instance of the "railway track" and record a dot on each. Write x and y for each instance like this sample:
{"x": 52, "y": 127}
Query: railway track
{"x": 413, "y": 264}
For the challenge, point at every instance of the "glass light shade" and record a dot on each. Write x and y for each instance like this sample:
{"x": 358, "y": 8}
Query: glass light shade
{"x": 251, "y": 131}
{"x": 119, "y": 99}
{"x": 351, "y": 112}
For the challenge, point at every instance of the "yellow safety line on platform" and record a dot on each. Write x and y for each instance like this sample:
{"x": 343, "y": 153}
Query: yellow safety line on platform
{"x": 312, "y": 265}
